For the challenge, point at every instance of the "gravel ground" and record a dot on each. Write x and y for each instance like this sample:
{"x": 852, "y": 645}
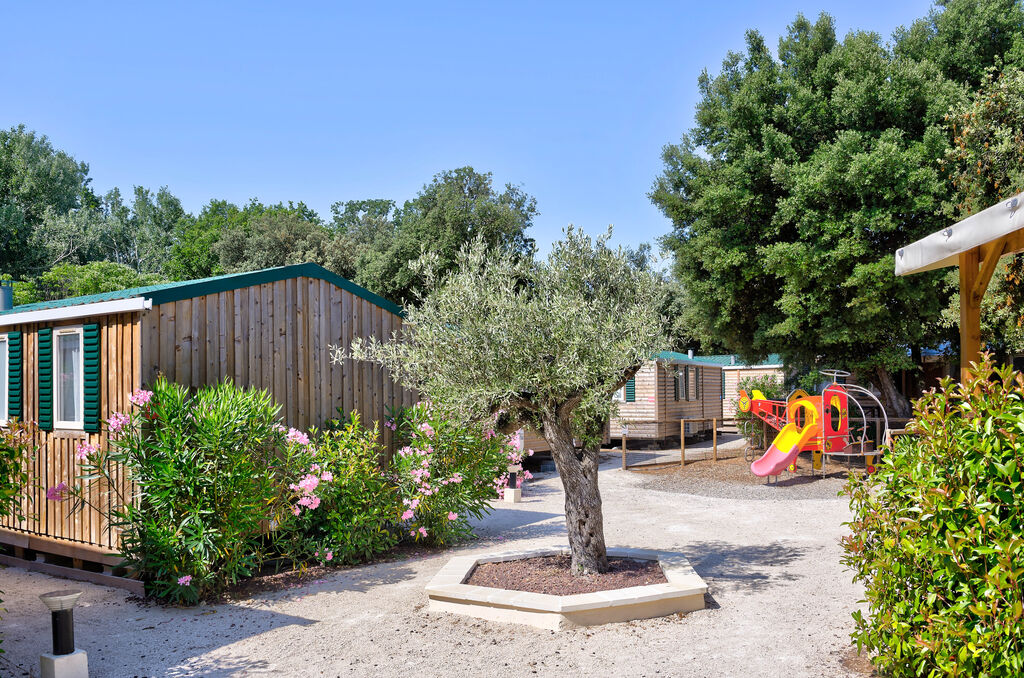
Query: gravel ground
{"x": 779, "y": 604}
{"x": 732, "y": 479}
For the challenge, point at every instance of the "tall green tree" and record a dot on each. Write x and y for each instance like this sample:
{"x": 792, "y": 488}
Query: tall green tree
{"x": 272, "y": 236}
{"x": 454, "y": 209}
{"x": 985, "y": 165}
{"x": 75, "y": 280}
{"x": 34, "y": 178}
{"x": 802, "y": 176}
{"x": 546, "y": 342}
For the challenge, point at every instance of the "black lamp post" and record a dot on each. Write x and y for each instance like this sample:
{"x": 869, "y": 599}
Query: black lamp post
{"x": 61, "y": 605}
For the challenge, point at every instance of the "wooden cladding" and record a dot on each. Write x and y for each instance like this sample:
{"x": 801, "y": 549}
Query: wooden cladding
{"x": 275, "y": 336}
{"x": 54, "y": 462}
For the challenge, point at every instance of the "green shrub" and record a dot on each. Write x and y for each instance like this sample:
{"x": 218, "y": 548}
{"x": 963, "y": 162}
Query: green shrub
{"x": 214, "y": 473}
{"x": 356, "y": 517}
{"x": 447, "y": 473}
{"x": 748, "y": 424}
{"x": 16, "y": 450}
{"x": 938, "y": 535}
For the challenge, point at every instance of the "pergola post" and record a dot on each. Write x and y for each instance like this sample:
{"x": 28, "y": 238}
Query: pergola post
{"x": 975, "y": 245}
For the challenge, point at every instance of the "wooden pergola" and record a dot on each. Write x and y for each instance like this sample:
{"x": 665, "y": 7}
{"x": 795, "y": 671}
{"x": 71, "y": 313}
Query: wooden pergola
{"x": 975, "y": 245}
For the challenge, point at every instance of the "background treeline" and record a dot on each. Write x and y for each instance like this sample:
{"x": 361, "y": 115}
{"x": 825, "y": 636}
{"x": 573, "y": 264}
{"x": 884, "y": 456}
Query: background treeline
{"x": 59, "y": 238}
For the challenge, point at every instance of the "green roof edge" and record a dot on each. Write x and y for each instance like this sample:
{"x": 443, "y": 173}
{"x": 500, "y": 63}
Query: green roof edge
{"x": 186, "y": 289}
{"x": 268, "y": 275}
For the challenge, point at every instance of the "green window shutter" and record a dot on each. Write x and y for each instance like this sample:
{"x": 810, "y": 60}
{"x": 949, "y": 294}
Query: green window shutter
{"x": 675, "y": 385}
{"x": 91, "y": 377}
{"x": 15, "y": 392}
{"x": 631, "y": 391}
{"x": 696, "y": 384}
{"x": 45, "y": 375}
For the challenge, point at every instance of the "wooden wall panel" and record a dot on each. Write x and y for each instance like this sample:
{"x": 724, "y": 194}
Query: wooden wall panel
{"x": 122, "y": 368}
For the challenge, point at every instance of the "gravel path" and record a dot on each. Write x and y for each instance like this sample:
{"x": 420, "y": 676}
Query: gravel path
{"x": 779, "y": 604}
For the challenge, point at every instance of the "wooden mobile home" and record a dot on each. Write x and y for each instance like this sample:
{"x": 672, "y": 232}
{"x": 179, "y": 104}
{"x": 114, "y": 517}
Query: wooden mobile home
{"x": 734, "y": 370}
{"x": 670, "y": 387}
{"x": 69, "y": 364}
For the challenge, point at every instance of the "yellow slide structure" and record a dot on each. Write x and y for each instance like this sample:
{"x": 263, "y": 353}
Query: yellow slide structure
{"x": 786, "y": 446}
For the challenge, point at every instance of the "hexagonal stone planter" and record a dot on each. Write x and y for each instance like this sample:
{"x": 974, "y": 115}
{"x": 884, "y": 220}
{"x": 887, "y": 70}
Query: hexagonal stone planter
{"x": 684, "y": 592}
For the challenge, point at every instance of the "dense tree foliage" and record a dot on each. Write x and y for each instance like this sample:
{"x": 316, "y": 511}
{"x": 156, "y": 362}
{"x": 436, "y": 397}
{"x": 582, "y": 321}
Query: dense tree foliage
{"x": 51, "y": 222}
{"x": 806, "y": 171}
{"x": 545, "y": 342}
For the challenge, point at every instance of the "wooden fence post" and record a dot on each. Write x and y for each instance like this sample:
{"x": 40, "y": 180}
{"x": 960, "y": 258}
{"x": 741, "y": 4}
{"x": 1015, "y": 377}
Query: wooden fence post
{"x": 714, "y": 438}
{"x": 682, "y": 442}
{"x": 623, "y": 448}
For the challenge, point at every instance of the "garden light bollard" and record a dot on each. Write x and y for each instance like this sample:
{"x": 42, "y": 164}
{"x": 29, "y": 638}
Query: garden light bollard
{"x": 65, "y": 661}
{"x": 512, "y": 493}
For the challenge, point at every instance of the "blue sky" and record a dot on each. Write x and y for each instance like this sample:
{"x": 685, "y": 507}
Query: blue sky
{"x": 335, "y": 101}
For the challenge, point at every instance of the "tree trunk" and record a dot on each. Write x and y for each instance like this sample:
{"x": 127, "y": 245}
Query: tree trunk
{"x": 895, "y": 403}
{"x": 583, "y": 519}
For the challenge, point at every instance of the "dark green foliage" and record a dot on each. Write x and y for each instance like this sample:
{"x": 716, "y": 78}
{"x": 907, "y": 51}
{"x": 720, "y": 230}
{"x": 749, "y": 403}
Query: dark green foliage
{"x": 357, "y": 516}
{"x": 938, "y": 535}
{"x": 804, "y": 174}
{"x": 213, "y": 474}
{"x": 75, "y": 280}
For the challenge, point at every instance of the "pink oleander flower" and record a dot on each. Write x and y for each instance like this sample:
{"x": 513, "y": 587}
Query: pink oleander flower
{"x": 308, "y": 483}
{"x": 329, "y": 556}
{"x": 529, "y": 453}
{"x": 427, "y": 429}
{"x": 279, "y": 428}
{"x": 58, "y": 492}
{"x": 140, "y": 398}
{"x": 527, "y": 475}
{"x": 117, "y": 422}
{"x": 315, "y": 468}
{"x": 489, "y": 433}
{"x": 422, "y": 531}
{"x": 327, "y": 476}
{"x": 296, "y": 510}
{"x": 185, "y": 581}
{"x": 310, "y": 501}
{"x": 83, "y": 451}
{"x": 408, "y": 514}
{"x": 414, "y": 503}
{"x": 452, "y": 515}
{"x": 297, "y": 436}
{"x": 390, "y": 423}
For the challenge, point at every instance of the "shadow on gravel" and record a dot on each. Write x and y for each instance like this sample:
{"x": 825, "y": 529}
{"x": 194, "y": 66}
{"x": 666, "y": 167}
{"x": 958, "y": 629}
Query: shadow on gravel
{"x": 514, "y": 524}
{"x": 754, "y": 568}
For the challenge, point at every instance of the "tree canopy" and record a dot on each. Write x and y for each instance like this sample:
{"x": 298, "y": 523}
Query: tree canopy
{"x": 545, "y": 342}
{"x": 802, "y": 176}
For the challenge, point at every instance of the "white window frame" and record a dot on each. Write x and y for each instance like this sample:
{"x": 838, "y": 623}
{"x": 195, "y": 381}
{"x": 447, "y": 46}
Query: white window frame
{"x": 619, "y": 396}
{"x": 57, "y": 395}
{"x": 6, "y": 400}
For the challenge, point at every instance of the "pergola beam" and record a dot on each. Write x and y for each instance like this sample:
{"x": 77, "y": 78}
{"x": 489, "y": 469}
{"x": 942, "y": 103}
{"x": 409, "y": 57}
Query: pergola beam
{"x": 975, "y": 245}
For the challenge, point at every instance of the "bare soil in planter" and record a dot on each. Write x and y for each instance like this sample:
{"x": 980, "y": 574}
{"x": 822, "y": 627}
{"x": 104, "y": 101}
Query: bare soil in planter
{"x": 551, "y": 574}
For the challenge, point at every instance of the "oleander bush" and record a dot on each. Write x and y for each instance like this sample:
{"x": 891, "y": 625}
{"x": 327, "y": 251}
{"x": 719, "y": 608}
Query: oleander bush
{"x": 355, "y": 517}
{"x": 216, "y": 476}
{"x": 16, "y": 450}
{"x": 447, "y": 472}
{"x": 938, "y": 535}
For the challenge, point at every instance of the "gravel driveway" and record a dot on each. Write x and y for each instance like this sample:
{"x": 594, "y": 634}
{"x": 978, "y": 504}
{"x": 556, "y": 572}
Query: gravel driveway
{"x": 779, "y": 603}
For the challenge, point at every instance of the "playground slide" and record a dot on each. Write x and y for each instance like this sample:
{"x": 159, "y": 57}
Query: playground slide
{"x": 784, "y": 449}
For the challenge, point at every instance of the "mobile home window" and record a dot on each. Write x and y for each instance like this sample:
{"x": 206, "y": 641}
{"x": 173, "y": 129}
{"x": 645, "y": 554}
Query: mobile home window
{"x": 4, "y": 362}
{"x": 68, "y": 384}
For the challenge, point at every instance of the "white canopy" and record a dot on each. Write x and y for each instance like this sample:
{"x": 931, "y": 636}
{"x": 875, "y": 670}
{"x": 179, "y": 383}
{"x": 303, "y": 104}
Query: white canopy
{"x": 944, "y": 248}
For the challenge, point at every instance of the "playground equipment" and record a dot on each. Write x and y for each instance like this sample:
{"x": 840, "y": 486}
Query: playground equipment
{"x": 819, "y": 424}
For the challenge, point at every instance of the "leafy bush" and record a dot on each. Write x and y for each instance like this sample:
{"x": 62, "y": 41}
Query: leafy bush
{"x": 356, "y": 517}
{"x": 215, "y": 473}
{"x": 938, "y": 535}
{"x": 747, "y": 423}
{"x": 447, "y": 472}
{"x": 16, "y": 450}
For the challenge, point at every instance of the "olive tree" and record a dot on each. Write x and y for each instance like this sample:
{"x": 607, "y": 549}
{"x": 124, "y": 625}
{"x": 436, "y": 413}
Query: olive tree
{"x": 546, "y": 342}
